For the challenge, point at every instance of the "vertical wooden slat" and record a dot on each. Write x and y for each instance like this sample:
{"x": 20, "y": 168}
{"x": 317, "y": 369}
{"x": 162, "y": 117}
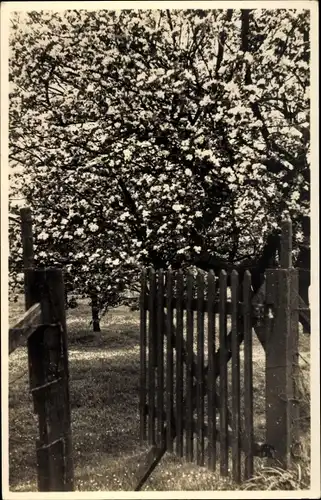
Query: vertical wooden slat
{"x": 189, "y": 371}
{"x": 236, "y": 430}
{"x": 179, "y": 363}
{"x": 211, "y": 374}
{"x": 248, "y": 377}
{"x": 160, "y": 358}
{"x": 200, "y": 371}
{"x": 294, "y": 349}
{"x": 286, "y": 245}
{"x": 223, "y": 377}
{"x": 57, "y": 466}
{"x": 58, "y": 315}
{"x": 53, "y": 311}
{"x": 143, "y": 345}
{"x": 169, "y": 361}
{"x": 37, "y": 359}
{"x": 151, "y": 357}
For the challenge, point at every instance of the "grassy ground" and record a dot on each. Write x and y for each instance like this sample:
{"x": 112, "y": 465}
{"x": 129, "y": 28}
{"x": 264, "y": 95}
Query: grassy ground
{"x": 104, "y": 370}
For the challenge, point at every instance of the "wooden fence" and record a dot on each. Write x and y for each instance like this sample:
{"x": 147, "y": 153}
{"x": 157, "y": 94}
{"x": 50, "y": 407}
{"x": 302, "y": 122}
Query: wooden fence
{"x": 44, "y": 327}
{"x": 187, "y": 403}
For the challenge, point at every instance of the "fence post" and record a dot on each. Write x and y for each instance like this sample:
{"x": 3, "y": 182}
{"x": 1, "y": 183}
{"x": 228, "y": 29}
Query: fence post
{"x": 49, "y": 382}
{"x": 48, "y": 364}
{"x": 55, "y": 313}
{"x": 281, "y": 351}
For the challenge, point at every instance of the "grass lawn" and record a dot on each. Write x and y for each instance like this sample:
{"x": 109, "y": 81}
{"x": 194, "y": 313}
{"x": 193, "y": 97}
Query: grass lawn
{"x": 104, "y": 371}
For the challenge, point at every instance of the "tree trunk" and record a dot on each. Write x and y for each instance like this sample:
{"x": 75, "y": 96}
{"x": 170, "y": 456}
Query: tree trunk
{"x": 94, "y": 313}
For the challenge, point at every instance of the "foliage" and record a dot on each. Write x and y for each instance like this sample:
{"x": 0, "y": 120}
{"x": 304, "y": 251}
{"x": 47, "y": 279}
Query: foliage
{"x": 158, "y": 137}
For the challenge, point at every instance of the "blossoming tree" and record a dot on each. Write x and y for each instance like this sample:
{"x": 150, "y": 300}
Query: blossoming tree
{"x": 163, "y": 137}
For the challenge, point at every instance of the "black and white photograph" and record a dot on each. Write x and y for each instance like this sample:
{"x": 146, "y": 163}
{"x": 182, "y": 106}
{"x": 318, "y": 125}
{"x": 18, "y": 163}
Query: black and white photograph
{"x": 159, "y": 249}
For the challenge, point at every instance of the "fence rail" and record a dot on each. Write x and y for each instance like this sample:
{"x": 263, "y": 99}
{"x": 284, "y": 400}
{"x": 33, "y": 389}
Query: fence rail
{"x": 25, "y": 326}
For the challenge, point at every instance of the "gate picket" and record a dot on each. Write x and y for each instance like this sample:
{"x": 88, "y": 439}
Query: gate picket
{"x": 169, "y": 361}
{"x": 211, "y": 387}
{"x": 143, "y": 348}
{"x": 179, "y": 363}
{"x": 248, "y": 377}
{"x": 236, "y": 409}
{"x": 200, "y": 371}
{"x": 151, "y": 357}
{"x": 189, "y": 366}
{"x": 160, "y": 358}
{"x": 223, "y": 377}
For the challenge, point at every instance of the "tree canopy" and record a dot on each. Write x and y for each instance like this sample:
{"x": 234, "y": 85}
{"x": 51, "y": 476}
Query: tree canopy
{"x": 163, "y": 137}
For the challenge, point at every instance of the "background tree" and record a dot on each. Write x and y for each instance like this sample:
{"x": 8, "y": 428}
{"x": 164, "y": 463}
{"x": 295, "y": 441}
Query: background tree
{"x": 160, "y": 137}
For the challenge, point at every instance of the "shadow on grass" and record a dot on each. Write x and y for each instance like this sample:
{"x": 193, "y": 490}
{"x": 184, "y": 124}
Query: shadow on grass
{"x": 104, "y": 383}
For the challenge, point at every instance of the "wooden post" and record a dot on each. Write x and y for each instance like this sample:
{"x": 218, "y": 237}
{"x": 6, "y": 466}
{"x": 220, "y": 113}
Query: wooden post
{"x": 57, "y": 314}
{"x": 49, "y": 380}
{"x": 281, "y": 344}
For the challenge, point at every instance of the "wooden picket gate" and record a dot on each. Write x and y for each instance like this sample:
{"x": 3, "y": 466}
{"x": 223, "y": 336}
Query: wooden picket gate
{"x": 187, "y": 404}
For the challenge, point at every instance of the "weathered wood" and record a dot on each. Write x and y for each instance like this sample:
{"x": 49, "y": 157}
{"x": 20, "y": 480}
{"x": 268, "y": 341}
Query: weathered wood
{"x": 211, "y": 385}
{"x": 200, "y": 372}
{"x": 236, "y": 408}
{"x": 57, "y": 466}
{"x": 179, "y": 364}
{"x": 47, "y": 286}
{"x": 189, "y": 369}
{"x": 57, "y": 313}
{"x": 24, "y": 327}
{"x": 151, "y": 356}
{"x": 143, "y": 359}
{"x": 223, "y": 377}
{"x": 248, "y": 377}
{"x": 43, "y": 467}
{"x": 294, "y": 351}
{"x": 37, "y": 358}
{"x": 279, "y": 383}
{"x": 34, "y": 343}
{"x": 169, "y": 362}
{"x": 286, "y": 245}
{"x": 160, "y": 357}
